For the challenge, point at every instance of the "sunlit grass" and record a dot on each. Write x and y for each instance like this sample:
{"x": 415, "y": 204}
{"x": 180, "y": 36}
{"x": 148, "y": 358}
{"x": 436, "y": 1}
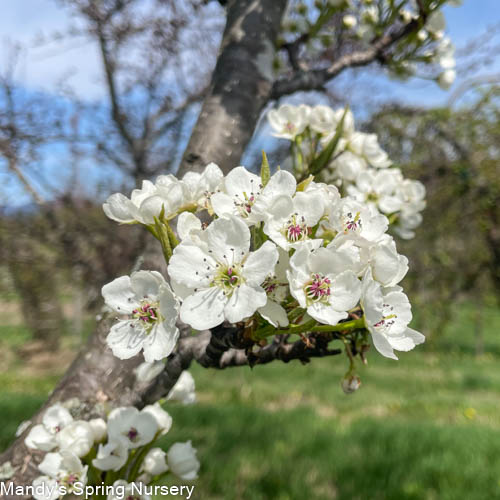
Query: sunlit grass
{"x": 426, "y": 427}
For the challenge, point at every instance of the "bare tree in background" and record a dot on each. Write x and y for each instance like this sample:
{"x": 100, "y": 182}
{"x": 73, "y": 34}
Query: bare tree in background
{"x": 136, "y": 133}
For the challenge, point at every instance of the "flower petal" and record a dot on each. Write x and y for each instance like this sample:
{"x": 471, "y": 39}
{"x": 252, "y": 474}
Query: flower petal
{"x": 120, "y": 209}
{"x": 345, "y": 291}
{"x": 244, "y": 301}
{"x": 146, "y": 283}
{"x": 204, "y": 309}
{"x": 191, "y": 266}
{"x": 274, "y": 313}
{"x": 228, "y": 239}
{"x": 125, "y": 339}
{"x": 119, "y": 295}
{"x": 160, "y": 342}
{"x": 261, "y": 263}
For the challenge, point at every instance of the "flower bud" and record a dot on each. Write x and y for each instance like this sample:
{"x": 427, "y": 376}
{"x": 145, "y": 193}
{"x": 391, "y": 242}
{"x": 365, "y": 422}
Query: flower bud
{"x": 183, "y": 390}
{"x": 99, "y": 429}
{"x": 146, "y": 372}
{"x": 155, "y": 462}
{"x": 350, "y": 383}
{"x": 446, "y": 78}
{"x": 182, "y": 460}
{"x": 163, "y": 419}
{"x": 349, "y": 21}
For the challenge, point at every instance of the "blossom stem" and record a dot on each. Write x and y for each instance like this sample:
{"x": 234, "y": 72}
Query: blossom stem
{"x": 171, "y": 236}
{"x": 311, "y": 326}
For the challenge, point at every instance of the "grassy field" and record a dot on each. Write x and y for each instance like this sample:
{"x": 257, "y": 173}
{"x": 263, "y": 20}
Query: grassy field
{"x": 426, "y": 427}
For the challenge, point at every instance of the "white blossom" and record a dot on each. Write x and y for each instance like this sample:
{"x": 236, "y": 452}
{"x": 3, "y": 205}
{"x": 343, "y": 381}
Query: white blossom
{"x": 387, "y": 266}
{"x": 162, "y": 418}
{"x": 221, "y": 279}
{"x": 146, "y": 372}
{"x": 379, "y": 188}
{"x": 291, "y": 220}
{"x": 99, "y": 429}
{"x": 65, "y": 468}
{"x": 132, "y": 427}
{"x": 244, "y": 195}
{"x": 77, "y": 437}
{"x": 45, "y": 488}
{"x": 111, "y": 456}
{"x": 406, "y": 224}
{"x": 324, "y": 120}
{"x": 128, "y": 210}
{"x": 347, "y": 165}
{"x": 43, "y": 436}
{"x": 366, "y": 146}
{"x": 155, "y": 462}
{"x": 276, "y": 287}
{"x": 353, "y": 220}
{"x": 350, "y": 383}
{"x": 324, "y": 283}
{"x": 7, "y": 471}
{"x": 22, "y": 427}
{"x": 289, "y": 121}
{"x": 148, "y": 299}
{"x": 203, "y": 186}
{"x": 183, "y": 390}
{"x": 446, "y": 78}
{"x": 387, "y": 313}
{"x": 349, "y": 21}
{"x": 436, "y": 23}
{"x": 182, "y": 461}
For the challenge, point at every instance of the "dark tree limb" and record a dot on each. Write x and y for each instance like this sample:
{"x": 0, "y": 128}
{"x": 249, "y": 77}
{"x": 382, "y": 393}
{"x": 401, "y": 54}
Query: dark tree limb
{"x": 316, "y": 79}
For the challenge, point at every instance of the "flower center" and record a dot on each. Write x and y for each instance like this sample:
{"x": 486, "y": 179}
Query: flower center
{"x": 318, "y": 289}
{"x": 290, "y": 127}
{"x": 372, "y": 197}
{"x": 245, "y": 201}
{"x": 296, "y": 229}
{"x": 69, "y": 480}
{"x": 352, "y": 223}
{"x": 147, "y": 312}
{"x": 388, "y": 319}
{"x": 228, "y": 278}
{"x": 132, "y": 434}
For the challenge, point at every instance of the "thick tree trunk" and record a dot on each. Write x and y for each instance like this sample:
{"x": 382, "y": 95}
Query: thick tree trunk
{"x": 241, "y": 86}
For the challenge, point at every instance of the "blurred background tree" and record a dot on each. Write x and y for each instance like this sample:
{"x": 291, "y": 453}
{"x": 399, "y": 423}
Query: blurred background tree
{"x": 455, "y": 153}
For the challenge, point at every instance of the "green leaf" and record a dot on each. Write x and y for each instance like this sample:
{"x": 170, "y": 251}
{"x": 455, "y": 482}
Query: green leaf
{"x": 302, "y": 186}
{"x": 322, "y": 160}
{"x": 265, "y": 172}
{"x": 162, "y": 235}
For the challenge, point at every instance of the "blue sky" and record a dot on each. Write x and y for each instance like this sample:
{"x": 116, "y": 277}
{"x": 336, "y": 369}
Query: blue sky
{"x": 42, "y": 67}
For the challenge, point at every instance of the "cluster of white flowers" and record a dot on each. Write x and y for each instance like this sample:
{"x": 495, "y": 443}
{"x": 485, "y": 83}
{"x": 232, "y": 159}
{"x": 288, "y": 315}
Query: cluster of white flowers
{"x": 276, "y": 253}
{"x": 358, "y": 165}
{"x": 81, "y": 452}
{"x": 364, "y": 20}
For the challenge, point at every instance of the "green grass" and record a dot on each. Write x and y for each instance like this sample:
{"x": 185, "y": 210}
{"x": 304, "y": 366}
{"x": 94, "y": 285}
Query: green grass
{"x": 424, "y": 428}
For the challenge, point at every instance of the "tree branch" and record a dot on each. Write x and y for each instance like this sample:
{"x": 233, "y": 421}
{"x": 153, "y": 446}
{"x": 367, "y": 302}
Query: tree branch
{"x": 317, "y": 79}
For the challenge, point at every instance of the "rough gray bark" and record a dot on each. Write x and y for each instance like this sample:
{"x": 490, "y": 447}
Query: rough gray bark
{"x": 241, "y": 85}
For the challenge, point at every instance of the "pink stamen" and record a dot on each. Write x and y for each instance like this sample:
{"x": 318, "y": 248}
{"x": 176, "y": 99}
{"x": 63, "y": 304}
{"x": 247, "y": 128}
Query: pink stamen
{"x": 132, "y": 434}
